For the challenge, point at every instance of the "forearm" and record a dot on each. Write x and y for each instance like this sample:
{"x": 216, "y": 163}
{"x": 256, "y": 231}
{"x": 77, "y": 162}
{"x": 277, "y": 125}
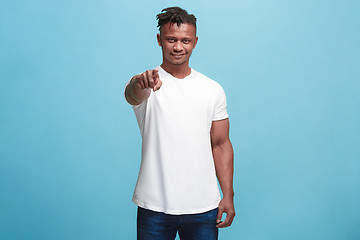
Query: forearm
{"x": 224, "y": 164}
{"x": 134, "y": 94}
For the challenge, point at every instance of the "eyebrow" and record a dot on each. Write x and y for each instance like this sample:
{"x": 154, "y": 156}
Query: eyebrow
{"x": 187, "y": 38}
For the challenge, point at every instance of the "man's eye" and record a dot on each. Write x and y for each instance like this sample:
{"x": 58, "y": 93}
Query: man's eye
{"x": 171, "y": 40}
{"x": 186, "y": 41}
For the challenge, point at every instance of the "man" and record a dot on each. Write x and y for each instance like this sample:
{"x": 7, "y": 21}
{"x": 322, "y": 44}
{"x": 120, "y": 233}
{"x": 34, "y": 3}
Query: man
{"x": 185, "y": 141}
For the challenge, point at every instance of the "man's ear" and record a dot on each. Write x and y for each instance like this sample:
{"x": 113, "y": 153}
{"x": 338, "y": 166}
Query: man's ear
{"x": 196, "y": 40}
{"x": 158, "y": 39}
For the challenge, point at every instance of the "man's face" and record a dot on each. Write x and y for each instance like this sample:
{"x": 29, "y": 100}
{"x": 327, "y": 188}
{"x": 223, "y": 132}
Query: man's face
{"x": 177, "y": 42}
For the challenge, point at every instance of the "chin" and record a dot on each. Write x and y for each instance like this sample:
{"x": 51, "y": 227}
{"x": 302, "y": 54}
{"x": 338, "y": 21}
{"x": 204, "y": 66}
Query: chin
{"x": 179, "y": 62}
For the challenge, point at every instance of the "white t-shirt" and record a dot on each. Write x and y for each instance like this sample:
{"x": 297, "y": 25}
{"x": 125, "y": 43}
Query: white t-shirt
{"x": 177, "y": 172}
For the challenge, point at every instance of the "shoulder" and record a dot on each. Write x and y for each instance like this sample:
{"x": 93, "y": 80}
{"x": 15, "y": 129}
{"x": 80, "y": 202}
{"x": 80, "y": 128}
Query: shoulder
{"x": 207, "y": 80}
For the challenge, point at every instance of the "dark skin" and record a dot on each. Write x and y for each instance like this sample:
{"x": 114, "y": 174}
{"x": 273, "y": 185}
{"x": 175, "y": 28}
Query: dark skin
{"x": 224, "y": 165}
{"x": 177, "y": 43}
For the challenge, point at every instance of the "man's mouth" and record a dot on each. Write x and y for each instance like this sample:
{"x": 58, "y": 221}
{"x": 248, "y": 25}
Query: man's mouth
{"x": 178, "y": 55}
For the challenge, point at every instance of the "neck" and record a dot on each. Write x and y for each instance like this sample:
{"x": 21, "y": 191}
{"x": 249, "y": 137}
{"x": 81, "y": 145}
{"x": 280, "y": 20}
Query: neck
{"x": 178, "y": 71}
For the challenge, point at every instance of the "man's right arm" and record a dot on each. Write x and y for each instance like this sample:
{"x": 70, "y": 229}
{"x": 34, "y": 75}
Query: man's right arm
{"x": 139, "y": 87}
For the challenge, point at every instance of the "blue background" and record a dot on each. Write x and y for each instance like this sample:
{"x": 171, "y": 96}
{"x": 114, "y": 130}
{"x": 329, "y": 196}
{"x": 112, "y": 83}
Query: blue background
{"x": 70, "y": 145}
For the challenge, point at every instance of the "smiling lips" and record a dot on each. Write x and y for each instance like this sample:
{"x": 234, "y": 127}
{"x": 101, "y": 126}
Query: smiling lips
{"x": 177, "y": 55}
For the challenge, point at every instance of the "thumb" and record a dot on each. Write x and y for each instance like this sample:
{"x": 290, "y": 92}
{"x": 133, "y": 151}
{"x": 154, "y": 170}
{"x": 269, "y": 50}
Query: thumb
{"x": 219, "y": 215}
{"x": 155, "y": 73}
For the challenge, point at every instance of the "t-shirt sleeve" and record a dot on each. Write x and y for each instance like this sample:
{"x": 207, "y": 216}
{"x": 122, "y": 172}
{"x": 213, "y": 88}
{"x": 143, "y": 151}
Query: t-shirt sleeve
{"x": 140, "y": 111}
{"x": 220, "y": 111}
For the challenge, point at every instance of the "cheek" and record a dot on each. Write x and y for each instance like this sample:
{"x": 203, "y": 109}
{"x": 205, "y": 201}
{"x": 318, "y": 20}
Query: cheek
{"x": 189, "y": 48}
{"x": 167, "y": 47}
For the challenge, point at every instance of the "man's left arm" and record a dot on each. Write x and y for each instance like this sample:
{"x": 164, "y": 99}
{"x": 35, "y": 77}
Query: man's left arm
{"x": 224, "y": 164}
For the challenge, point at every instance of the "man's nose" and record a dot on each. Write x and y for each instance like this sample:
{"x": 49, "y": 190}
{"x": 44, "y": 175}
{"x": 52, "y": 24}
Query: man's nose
{"x": 178, "y": 46}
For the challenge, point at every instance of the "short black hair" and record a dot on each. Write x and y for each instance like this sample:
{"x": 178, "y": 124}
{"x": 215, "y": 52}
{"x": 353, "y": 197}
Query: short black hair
{"x": 175, "y": 15}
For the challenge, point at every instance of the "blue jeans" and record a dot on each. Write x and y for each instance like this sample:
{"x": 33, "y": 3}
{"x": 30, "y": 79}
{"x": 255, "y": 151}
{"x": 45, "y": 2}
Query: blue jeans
{"x": 160, "y": 226}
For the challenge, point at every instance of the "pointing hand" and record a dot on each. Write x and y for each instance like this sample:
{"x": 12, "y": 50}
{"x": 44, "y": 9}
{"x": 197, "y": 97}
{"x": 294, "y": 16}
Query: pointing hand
{"x": 149, "y": 79}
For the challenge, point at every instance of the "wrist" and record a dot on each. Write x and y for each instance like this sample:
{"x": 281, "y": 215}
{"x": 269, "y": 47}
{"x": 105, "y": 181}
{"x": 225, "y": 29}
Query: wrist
{"x": 228, "y": 195}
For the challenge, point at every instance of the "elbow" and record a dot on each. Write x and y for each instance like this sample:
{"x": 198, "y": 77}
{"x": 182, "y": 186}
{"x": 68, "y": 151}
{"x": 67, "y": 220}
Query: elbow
{"x": 220, "y": 143}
